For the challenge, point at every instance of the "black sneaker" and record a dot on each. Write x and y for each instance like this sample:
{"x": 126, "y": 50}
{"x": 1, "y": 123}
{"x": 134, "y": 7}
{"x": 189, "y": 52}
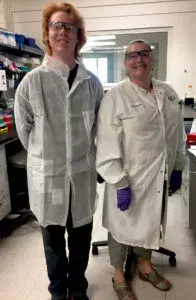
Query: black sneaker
{"x": 78, "y": 296}
{"x": 64, "y": 298}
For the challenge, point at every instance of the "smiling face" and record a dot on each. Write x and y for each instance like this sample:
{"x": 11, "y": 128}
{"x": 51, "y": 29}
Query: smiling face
{"x": 138, "y": 65}
{"x": 63, "y": 40}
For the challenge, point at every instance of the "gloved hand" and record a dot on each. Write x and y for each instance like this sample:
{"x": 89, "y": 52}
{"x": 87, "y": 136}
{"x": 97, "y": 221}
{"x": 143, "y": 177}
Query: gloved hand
{"x": 175, "y": 181}
{"x": 99, "y": 178}
{"x": 123, "y": 198}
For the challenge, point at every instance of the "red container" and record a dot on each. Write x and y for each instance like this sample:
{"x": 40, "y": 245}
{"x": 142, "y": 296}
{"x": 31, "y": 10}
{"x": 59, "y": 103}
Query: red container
{"x": 191, "y": 139}
{"x": 9, "y": 125}
{"x": 7, "y": 118}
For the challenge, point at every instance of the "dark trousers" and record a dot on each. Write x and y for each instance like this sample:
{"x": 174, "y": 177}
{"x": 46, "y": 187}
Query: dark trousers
{"x": 67, "y": 272}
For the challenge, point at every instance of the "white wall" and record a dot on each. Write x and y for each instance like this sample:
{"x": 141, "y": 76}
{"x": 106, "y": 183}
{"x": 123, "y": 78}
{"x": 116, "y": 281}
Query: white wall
{"x": 177, "y": 17}
{"x": 2, "y": 20}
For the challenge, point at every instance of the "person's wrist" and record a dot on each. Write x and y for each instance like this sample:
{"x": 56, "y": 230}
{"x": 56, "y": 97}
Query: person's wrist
{"x": 123, "y": 188}
{"x": 123, "y": 183}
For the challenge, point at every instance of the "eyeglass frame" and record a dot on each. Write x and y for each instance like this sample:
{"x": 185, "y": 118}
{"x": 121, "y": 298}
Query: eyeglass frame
{"x": 138, "y": 53}
{"x": 63, "y": 25}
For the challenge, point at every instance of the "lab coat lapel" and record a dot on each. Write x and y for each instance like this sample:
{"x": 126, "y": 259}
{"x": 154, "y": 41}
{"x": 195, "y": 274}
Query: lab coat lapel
{"x": 81, "y": 75}
{"x": 57, "y": 66}
{"x": 159, "y": 93}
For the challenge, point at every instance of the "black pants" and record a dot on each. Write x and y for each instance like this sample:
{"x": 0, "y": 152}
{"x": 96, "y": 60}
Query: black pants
{"x": 67, "y": 273}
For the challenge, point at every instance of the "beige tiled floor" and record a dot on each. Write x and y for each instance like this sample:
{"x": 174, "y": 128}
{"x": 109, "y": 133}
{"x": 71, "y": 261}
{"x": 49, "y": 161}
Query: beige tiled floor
{"x": 23, "y": 272}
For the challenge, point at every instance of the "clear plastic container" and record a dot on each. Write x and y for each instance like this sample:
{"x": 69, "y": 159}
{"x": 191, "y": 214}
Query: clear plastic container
{"x": 3, "y": 37}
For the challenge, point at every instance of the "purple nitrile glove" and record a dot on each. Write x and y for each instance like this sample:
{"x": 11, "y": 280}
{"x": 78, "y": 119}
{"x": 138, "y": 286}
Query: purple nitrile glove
{"x": 124, "y": 198}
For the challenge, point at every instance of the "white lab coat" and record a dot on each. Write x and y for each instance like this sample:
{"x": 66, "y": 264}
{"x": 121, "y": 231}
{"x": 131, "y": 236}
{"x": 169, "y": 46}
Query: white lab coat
{"x": 57, "y": 126}
{"x": 140, "y": 141}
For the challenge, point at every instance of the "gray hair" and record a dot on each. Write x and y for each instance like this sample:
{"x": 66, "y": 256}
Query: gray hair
{"x": 138, "y": 42}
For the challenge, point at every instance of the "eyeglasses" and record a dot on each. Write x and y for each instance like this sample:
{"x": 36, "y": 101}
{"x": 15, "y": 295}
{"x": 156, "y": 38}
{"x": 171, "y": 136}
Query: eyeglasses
{"x": 57, "y": 26}
{"x": 134, "y": 55}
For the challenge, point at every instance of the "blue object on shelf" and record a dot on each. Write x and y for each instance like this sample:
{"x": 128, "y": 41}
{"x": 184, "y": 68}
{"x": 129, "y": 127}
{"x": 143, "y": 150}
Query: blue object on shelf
{"x": 30, "y": 42}
{"x": 20, "y": 39}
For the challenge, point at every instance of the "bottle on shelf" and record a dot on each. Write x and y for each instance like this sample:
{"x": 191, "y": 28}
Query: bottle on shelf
{"x": 189, "y": 100}
{"x": 3, "y": 126}
{"x": 7, "y": 119}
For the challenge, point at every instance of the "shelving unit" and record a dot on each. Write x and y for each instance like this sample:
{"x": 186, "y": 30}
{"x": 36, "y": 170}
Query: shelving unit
{"x": 25, "y": 50}
{"x": 10, "y": 140}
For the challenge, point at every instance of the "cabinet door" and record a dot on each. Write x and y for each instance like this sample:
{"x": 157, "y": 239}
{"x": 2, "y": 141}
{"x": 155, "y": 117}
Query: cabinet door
{"x": 2, "y": 156}
{"x": 5, "y": 205}
{"x": 4, "y": 187}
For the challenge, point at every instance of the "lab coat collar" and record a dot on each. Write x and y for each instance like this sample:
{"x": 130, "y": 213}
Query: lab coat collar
{"x": 157, "y": 87}
{"x": 139, "y": 88}
{"x": 63, "y": 69}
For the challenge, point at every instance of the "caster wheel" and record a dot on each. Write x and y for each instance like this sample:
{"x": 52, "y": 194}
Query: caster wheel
{"x": 172, "y": 261}
{"x": 95, "y": 250}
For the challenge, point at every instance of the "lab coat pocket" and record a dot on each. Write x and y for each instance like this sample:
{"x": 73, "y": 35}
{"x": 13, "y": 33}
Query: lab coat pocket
{"x": 57, "y": 197}
{"x": 134, "y": 107}
{"x": 56, "y": 188}
{"x": 89, "y": 117}
{"x": 134, "y": 111}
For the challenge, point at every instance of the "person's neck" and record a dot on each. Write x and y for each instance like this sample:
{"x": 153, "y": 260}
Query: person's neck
{"x": 145, "y": 84}
{"x": 66, "y": 59}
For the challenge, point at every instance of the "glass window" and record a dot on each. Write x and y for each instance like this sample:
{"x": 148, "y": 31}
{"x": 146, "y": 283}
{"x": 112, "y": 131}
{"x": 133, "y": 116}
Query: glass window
{"x": 98, "y": 66}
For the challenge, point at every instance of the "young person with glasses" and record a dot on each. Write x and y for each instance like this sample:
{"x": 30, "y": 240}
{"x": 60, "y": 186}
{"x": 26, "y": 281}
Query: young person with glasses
{"x": 56, "y": 107}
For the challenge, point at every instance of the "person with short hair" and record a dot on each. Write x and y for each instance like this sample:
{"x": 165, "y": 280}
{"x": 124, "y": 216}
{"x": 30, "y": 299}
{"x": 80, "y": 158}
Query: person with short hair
{"x": 140, "y": 152}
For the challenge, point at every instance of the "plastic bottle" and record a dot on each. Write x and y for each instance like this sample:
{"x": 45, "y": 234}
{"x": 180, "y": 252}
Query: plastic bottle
{"x": 3, "y": 127}
{"x": 8, "y": 120}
